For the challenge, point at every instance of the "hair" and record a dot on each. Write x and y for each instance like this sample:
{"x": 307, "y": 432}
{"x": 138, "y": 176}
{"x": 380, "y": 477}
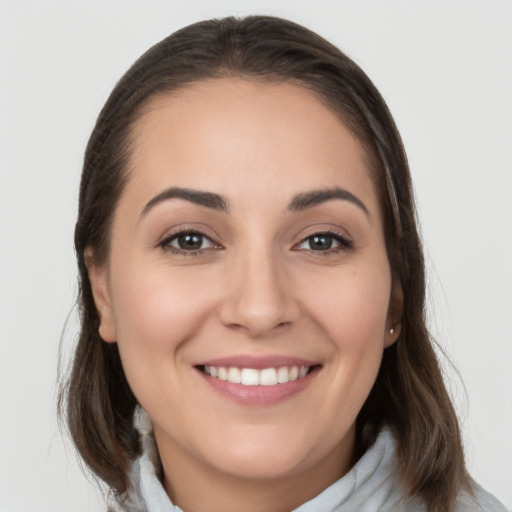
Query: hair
{"x": 409, "y": 394}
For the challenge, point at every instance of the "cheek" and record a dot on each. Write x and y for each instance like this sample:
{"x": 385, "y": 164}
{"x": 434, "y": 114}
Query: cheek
{"x": 352, "y": 306}
{"x": 156, "y": 312}
{"x": 354, "y": 318}
{"x": 157, "y": 308}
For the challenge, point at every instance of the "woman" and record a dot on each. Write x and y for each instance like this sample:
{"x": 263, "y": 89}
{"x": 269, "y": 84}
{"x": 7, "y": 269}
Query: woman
{"x": 252, "y": 279}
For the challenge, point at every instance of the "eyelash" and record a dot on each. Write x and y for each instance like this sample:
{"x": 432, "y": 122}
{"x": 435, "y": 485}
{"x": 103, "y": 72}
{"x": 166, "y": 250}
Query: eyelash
{"x": 166, "y": 243}
{"x": 343, "y": 243}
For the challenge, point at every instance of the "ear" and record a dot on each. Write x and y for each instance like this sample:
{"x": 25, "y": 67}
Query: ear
{"x": 99, "y": 284}
{"x": 394, "y": 320}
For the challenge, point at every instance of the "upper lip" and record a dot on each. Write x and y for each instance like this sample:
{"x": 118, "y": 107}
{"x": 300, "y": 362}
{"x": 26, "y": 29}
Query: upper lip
{"x": 256, "y": 362}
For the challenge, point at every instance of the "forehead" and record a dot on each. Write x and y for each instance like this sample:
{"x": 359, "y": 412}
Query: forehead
{"x": 218, "y": 133}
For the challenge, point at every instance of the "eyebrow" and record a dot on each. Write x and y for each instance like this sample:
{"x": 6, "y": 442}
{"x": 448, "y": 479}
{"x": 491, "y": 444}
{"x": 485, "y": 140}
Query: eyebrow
{"x": 310, "y": 199}
{"x": 208, "y": 199}
{"x": 214, "y": 201}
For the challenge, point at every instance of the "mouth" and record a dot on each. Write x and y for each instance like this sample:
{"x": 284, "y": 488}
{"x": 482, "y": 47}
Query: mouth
{"x": 258, "y": 380}
{"x": 271, "y": 376}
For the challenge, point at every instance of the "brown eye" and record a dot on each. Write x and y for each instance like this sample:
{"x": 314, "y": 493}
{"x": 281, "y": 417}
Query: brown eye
{"x": 325, "y": 242}
{"x": 320, "y": 242}
{"x": 188, "y": 241}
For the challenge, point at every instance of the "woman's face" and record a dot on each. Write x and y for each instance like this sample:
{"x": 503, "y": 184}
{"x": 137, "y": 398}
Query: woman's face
{"x": 248, "y": 245}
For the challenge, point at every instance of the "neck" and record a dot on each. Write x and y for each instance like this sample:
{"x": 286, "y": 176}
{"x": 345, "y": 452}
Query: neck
{"x": 196, "y": 486}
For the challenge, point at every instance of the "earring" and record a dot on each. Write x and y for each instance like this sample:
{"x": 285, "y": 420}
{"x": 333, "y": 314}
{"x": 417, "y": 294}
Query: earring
{"x": 391, "y": 331}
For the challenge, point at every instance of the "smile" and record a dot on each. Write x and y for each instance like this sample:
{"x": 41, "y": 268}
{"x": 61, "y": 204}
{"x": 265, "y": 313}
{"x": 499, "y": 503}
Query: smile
{"x": 257, "y": 377}
{"x": 262, "y": 380}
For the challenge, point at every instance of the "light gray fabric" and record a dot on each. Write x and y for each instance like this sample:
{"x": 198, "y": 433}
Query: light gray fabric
{"x": 370, "y": 486}
{"x": 484, "y": 502}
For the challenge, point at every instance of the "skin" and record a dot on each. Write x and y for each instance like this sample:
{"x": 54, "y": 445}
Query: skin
{"x": 256, "y": 287}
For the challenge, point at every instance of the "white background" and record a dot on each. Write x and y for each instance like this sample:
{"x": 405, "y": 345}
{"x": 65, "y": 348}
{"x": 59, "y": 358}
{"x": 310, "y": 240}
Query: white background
{"x": 445, "y": 68}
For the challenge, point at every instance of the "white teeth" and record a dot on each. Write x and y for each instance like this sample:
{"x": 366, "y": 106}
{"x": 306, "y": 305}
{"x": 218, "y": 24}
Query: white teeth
{"x": 283, "y": 375}
{"x": 250, "y": 377}
{"x": 268, "y": 377}
{"x": 234, "y": 375}
{"x": 253, "y": 377}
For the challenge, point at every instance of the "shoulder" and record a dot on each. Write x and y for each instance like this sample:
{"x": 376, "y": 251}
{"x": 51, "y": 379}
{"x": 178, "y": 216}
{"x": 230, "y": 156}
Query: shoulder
{"x": 479, "y": 500}
{"x": 475, "y": 499}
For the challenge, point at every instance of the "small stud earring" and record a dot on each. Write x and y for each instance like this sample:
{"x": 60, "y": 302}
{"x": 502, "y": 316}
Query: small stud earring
{"x": 391, "y": 331}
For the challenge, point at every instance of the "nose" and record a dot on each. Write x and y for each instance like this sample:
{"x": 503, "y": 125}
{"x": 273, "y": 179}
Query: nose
{"x": 259, "y": 299}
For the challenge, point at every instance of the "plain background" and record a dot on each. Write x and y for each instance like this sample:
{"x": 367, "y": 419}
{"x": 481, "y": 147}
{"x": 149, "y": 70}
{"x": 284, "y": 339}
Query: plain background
{"x": 445, "y": 69}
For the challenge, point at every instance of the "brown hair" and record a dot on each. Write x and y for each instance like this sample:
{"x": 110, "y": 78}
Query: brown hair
{"x": 409, "y": 394}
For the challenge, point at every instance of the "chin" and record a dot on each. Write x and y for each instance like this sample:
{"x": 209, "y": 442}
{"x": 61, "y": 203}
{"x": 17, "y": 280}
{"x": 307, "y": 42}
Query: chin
{"x": 269, "y": 455}
{"x": 263, "y": 466}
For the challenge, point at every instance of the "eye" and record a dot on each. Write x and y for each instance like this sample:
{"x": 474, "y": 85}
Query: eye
{"x": 190, "y": 242}
{"x": 325, "y": 242}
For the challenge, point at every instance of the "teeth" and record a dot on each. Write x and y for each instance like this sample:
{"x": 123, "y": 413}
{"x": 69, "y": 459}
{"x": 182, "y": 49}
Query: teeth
{"x": 268, "y": 377}
{"x": 283, "y": 375}
{"x": 250, "y": 377}
{"x": 234, "y": 375}
{"x": 253, "y": 377}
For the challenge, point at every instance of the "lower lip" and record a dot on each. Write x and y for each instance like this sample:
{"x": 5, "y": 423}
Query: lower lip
{"x": 259, "y": 395}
